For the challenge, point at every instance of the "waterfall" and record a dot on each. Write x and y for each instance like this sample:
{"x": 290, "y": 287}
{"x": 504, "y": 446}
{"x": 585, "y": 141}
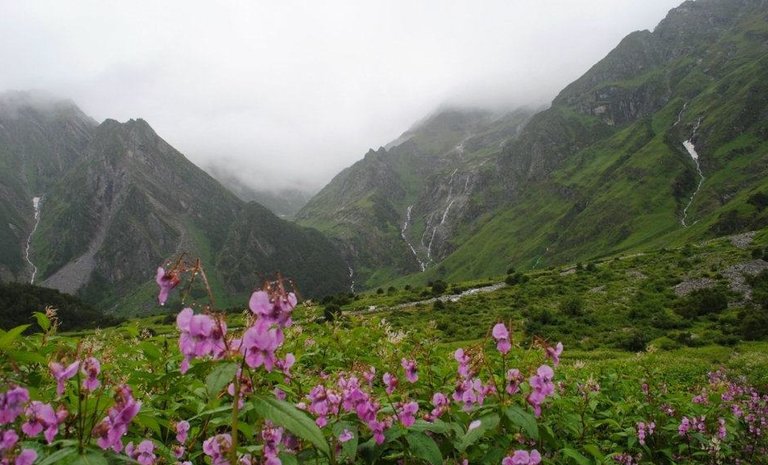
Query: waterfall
{"x": 405, "y": 238}
{"x": 36, "y": 206}
{"x": 691, "y": 149}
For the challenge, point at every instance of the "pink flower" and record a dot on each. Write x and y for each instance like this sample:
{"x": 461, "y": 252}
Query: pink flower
{"x": 441, "y": 403}
{"x": 523, "y": 457}
{"x": 501, "y": 335}
{"x": 182, "y": 430}
{"x": 26, "y": 457}
{"x": 41, "y": 417}
{"x": 275, "y": 308}
{"x": 63, "y": 374}
{"x": 541, "y": 387}
{"x": 12, "y": 404}
{"x": 390, "y": 381}
{"x": 167, "y": 281}
{"x": 200, "y": 335}
{"x": 272, "y": 435}
{"x": 407, "y": 413}
{"x": 345, "y": 436}
{"x": 217, "y": 448}
{"x": 410, "y": 370}
{"x": 463, "y": 360}
{"x": 114, "y": 426}
{"x": 554, "y": 353}
{"x": 91, "y": 369}
{"x": 8, "y": 439}
{"x": 143, "y": 453}
{"x": 259, "y": 344}
{"x": 514, "y": 378}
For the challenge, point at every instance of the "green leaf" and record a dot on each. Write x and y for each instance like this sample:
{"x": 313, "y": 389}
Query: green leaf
{"x": 42, "y": 321}
{"x": 11, "y": 335}
{"x": 58, "y": 456}
{"x": 220, "y": 377}
{"x": 595, "y": 452}
{"x": 524, "y": 420}
{"x": 91, "y": 458}
{"x": 438, "y": 426}
{"x": 294, "y": 420}
{"x": 150, "y": 351}
{"x": 576, "y": 456}
{"x": 424, "y": 447}
{"x": 349, "y": 448}
{"x": 27, "y": 357}
{"x": 486, "y": 422}
{"x": 288, "y": 459}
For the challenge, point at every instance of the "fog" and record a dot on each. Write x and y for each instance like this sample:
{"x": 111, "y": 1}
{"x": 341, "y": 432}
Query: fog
{"x": 285, "y": 94}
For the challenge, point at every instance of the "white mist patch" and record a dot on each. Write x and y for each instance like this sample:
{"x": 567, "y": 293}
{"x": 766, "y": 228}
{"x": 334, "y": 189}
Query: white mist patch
{"x": 36, "y": 206}
{"x": 691, "y": 149}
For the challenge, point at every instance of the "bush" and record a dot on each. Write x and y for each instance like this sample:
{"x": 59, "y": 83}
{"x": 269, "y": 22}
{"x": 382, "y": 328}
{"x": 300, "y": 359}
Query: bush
{"x": 572, "y": 306}
{"x": 702, "y": 302}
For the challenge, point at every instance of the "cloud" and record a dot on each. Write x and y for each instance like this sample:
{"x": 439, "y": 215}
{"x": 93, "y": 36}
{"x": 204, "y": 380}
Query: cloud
{"x": 288, "y": 93}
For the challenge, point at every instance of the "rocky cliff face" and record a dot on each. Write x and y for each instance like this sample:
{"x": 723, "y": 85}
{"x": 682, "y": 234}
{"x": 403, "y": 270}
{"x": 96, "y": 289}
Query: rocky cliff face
{"x": 117, "y": 200}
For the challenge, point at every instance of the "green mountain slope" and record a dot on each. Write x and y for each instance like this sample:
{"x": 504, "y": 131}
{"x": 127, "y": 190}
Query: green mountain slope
{"x": 389, "y": 212}
{"x": 605, "y": 168}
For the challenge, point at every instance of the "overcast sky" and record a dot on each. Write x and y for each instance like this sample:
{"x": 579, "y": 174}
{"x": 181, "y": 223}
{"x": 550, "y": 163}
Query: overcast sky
{"x": 288, "y": 93}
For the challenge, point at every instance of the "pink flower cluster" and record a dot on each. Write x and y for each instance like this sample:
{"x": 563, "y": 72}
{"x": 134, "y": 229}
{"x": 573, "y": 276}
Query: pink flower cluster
{"x": 541, "y": 387}
{"x": 217, "y": 448}
{"x": 411, "y": 374}
{"x": 352, "y": 398}
{"x": 201, "y": 335}
{"x": 260, "y": 341}
{"x": 272, "y": 435}
{"x": 90, "y": 367}
{"x": 114, "y": 426}
{"x": 41, "y": 418}
{"x": 644, "y": 430}
{"x": 13, "y": 403}
{"x": 501, "y": 334}
{"x": 523, "y": 457}
{"x": 144, "y": 453}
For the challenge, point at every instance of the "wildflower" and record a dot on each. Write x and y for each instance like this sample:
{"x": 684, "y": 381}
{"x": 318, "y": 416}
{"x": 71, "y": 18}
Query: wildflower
{"x": 407, "y": 413}
{"x": 217, "y": 447}
{"x": 390, "y": 381}
{"x": 514, "y": 378}
{"x": 167, "y": 280}
{"x": 114, "y": 426}
{"x": 91, "y": 369}
{"x": 463, "y": 360}
{"x": 272, "y": 435}
{"x": 200, "y": 335}
{"x": 554, "y": 353}
{"x": 722, "y": 431}
{"x": 62, "y": 374}
{"x": 541, "y": 385}
{"x": 501, "y": 335}
{"x": 410, "y": 370}
{"x": 345, "y": 436}
{"x": 644, "y": 430}
{"x": 259, "y": 344}
{"x": 143, "y": 453}
{"x": 685, "y": 425}
{"x": 42, "y": 418}
{"x": 523, "y": 457}
{"x": 275, "y": 308}
{"x": 12, "y": 404}
{"x": 182, "y": 430}
{"x": 26, "y": 457}
{"x": 441, "y": 403}
{"x": 474, "y": 425}
{"x": 8, "y": 439}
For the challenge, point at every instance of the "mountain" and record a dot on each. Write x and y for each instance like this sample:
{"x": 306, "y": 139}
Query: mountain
{"x": 390, "y": 212}
{"x": 117, "y": 201}
{"x": 661, "y": 142}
